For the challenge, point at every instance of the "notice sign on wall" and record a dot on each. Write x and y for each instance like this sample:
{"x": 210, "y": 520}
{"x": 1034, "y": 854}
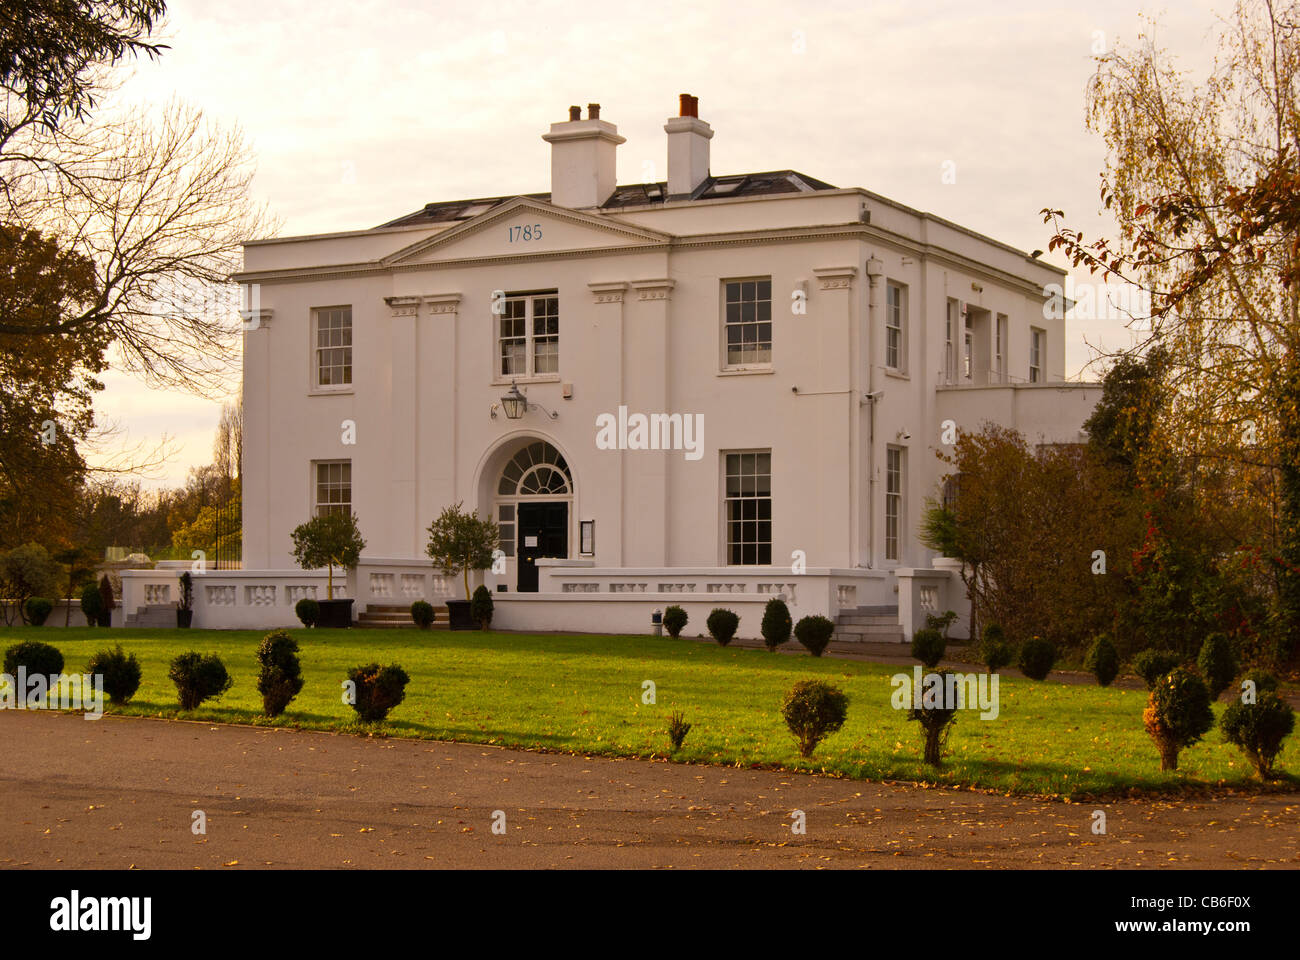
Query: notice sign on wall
{"x": 530, "y": 541}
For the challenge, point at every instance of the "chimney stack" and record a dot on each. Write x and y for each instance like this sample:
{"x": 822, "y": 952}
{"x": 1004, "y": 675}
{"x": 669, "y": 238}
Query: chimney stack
{"x": 583, "y": 159}
{"x": 688, "y": 148}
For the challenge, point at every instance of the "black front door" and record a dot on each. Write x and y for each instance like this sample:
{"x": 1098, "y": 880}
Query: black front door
{"x": 543, "y": 532}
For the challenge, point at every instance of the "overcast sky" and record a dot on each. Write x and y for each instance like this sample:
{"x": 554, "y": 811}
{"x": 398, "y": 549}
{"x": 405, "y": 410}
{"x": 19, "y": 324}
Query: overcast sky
{"x": 362, "y": 111}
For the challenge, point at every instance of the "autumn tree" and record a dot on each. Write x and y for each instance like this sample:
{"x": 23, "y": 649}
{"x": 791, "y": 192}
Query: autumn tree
{"x": 1204, "y": 182}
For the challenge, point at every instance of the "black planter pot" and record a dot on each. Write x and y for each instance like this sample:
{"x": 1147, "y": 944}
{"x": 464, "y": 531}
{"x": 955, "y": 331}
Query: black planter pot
{"x": 184, "y": 618}
{"x": 335, "y": 613}
{"x": 105, "y": 619}
{"x": 458, "y": 615}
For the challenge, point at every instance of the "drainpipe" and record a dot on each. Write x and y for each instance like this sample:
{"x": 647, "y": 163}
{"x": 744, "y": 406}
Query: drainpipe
{"x": 875, "y": 270}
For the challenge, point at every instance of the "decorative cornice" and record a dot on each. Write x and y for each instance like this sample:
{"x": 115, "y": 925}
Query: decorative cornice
{"x": 835, "y": 278}
{"x": 404, "y": 306}
{"x": 611, "y": 292}
{"x": 659, "y": 289}
{"x": 441, "y": 304}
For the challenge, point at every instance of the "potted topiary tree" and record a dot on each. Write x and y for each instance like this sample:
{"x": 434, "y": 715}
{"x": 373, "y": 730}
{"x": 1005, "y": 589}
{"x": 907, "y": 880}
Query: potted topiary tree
{"x": 459, "y": 542}
{"x": 331, "y": 540}
{"x": 185, "y": 605}
{"x": 107, "y": 603}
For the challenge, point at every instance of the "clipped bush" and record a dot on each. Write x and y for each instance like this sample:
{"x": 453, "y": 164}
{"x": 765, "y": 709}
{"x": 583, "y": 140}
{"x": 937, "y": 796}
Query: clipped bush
{"x": 722, "y": 625}
{"x": 120, "y": 672}
{"x": 1037, "y": 657}
{"x": 199, "y": 678}
{"x": 1263, "y": 681}
{"x": 678, "y": 728}
{"x": 1177, "y": 714}
{"x": 1217, "y": 664}
{"x": 1258, "y": 729}
{"x": 40, "y": 659}
{"x": 37, "y": 609}
{"x": 815, "y": 633}
{"x": 1103, "y": 660}
{"x": 1151, "y": 665}
{"x": 91, "y": 604}
{"x": 279, "y": 677}
{"x": 308, "y": 611}
{"x": 941, "y": 621}
{"x": 106, "y": 602}
{"x": 995, "y": 651}
{"x": 675, "y": 620}
{"x": 377, "y": 690}
{"x": 776, "y": 624}
{"x": 936, "y": 722}
{"x": 813, "y": 710}
{"x": 422, "y": 614}
{"x": 928, "y": 646}
{"x": 481, "y": 607}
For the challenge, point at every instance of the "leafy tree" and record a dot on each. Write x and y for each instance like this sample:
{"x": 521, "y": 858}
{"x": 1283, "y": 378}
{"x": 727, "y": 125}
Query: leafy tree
{"x": 1203, "y": 179}
{"x": 461, "y": 541}
{"x": 25, "y": 572}
{"x": 330, "y": 540}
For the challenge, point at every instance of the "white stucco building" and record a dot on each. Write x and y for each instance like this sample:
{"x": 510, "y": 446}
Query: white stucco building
{"x": 797, "y": 347}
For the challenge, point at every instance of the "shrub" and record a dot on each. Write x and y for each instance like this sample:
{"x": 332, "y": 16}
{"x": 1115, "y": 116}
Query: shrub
{"x": 377, "y": 690}
{"x": 186, "y": 601}
{"x": 675, "y": 620}
{"x": 1217, "y": 663}
{"x": 39, "y": 659}
{"x": 121, "y": 673}
{"x": 1151, "y": 665}
{"x": 330, "y": 540}
{"x": 26, "y": 571}
{"x": 1103, "y": 660}
{"x": 1259, "y": 729}
{"x": 1264, "y": 681}
{"x": 37, "y": 609}
{"x": 199, "y": 678}
{"x": 928, "y": 646}
{"x": 91, "y": 604}
{"x": 308, "y": 611}
{"x": 106, "y": 602}
{"x": 422, "y": 614}
{"x": 1177, "y": 714}
{"x": 678, "y": 728}
{"x": 722, "y": 625}
{"x": 936, "y": 723}
{"x": 941, "y": 622}
{"x": 815, "y": 633}
{"x": 814, "y": 709}
{"x": 776, "y": 624}
{"x": 1037, "y": 657}
{"x": 995, "y": 651}
{"x": 481, "y": 607}
{"x": 280, "y": 678}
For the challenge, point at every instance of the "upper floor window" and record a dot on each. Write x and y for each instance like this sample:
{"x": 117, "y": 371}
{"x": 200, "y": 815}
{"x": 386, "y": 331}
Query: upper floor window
{"x": 895, "y": 319}
{"x": 749, "y": 507}
{"x": 1037, "y": 340}
{"x": 951, "y": 320}
{"x": 748, "y": 321}
{"x": 528, "y": 340}
{"x": 333, "y": 328}
{"x": 1000, "y": 348}
{"x": 333, "y": 487}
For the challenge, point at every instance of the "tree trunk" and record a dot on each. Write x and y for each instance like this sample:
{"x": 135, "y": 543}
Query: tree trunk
{"x": 1288, "y": 585}
{"x": 1168, "y": 756}
{"x": 932, "y": 756}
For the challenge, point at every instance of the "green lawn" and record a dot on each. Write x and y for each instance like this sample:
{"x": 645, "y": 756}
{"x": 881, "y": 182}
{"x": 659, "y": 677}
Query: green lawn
{"x": 582, "y": 694}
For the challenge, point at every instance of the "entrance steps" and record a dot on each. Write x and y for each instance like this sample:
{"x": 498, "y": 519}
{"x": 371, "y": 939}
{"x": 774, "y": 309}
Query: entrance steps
{"x": 395, "y": 616}
{"x": 877, "y": 624}
{"x": 153, "y": 615}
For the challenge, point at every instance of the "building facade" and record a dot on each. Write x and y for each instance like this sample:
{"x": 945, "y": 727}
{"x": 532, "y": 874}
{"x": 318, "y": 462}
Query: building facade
{"x": 732, "y": 387}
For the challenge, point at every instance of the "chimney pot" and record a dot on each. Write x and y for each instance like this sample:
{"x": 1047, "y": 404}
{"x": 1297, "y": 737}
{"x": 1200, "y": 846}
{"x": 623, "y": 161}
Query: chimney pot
{"x": 593, "y": 111}
{"x": 688, "y": 106}
{"x": 575, "y": 113}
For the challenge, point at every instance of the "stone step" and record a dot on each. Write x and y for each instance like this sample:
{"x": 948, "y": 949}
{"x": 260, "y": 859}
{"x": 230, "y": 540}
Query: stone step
{"x": 873, "y": 610}
{"x": 867, "y": 620}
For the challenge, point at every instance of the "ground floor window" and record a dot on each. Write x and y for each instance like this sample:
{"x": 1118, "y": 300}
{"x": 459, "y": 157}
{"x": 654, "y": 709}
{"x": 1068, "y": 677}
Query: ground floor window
{"x": 893, "y": 501}
{"x": 748, "y": 507}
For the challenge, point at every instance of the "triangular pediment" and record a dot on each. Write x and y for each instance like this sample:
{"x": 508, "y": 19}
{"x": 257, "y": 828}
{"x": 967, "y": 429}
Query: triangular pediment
{"x": 527, "y": 227}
